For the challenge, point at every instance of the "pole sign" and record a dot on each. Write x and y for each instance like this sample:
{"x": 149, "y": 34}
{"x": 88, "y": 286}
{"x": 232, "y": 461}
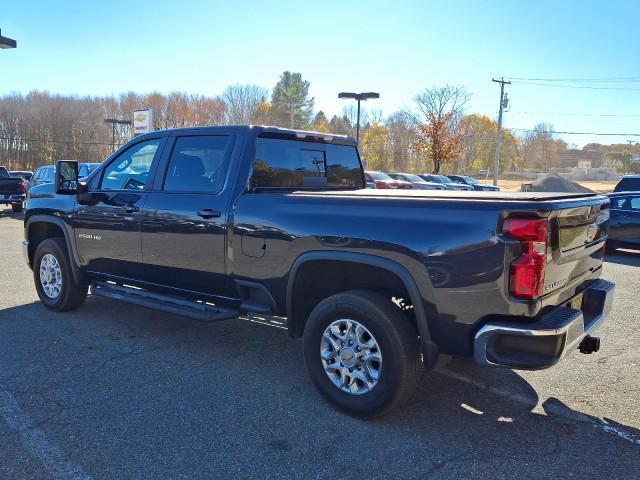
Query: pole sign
{"x": 142, "y": 121}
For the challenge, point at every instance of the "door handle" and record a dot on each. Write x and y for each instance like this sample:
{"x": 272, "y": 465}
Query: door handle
{"x": 130, "y": 208}
{"x": 208, "y": 213}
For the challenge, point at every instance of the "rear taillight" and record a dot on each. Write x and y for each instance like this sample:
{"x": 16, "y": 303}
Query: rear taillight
{"x": 526, "y": 278}
{"x": 23, "y": 186}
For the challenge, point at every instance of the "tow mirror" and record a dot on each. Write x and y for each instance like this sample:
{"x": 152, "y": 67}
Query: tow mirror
{"x": 66, "y": 180}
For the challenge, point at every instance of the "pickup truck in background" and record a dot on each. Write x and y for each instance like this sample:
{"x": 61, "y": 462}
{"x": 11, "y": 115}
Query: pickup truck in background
{"x": 12, "y": 190}
{"x": 220, "y": 222}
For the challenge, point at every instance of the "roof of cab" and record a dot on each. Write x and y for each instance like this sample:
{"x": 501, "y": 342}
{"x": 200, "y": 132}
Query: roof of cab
{"x": 263, "y": 131}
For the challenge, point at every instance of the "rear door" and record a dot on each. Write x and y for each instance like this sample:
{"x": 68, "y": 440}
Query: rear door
{"x": 184, "y": 227}
{"x": 107, "y": 217}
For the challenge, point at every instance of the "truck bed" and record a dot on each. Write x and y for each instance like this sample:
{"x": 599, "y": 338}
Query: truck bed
{"x": 454, "y": 194}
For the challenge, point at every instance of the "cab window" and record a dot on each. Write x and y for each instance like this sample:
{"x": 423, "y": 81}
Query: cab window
{"x": 130, "y": 171}
{"x": 198, "y": 164}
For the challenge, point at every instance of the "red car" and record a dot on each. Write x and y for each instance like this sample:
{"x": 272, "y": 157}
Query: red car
{"x": 380, "y": 180}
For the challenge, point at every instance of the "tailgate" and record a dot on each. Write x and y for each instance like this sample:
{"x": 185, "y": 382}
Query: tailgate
{"x": 10, "y": 186}
{"x": 577, "y": 239}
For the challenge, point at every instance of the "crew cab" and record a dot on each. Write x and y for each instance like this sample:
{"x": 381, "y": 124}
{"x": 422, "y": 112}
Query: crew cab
{"x": 276, "y": 225}
{"x": 12, "y": 190}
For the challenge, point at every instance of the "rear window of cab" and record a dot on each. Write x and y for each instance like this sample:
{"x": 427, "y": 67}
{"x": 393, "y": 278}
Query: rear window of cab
{"x": 290, "y": 164}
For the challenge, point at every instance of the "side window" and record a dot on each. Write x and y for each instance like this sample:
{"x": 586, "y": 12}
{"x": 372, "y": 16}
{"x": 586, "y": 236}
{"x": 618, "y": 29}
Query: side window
{"x": 130, "y": 170}
{"x": 635, "y": 203}
{"x": 619, "y": 203}
{"x": 198, "y": 164}
{"x": 283, "y": 163}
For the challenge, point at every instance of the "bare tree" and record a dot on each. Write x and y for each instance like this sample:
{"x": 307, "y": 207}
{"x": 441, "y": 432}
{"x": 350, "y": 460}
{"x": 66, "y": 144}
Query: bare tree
{"x": 242, "y": 101}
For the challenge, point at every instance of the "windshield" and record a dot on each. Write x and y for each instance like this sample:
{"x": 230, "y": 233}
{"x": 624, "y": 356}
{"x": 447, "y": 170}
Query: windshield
{"x": 3, "y": 172}
{"x": 380, "y": 176}
{"x": 442, "y": 179}
{"x": 470, "y": 180}
{"x": 413, "y": 178}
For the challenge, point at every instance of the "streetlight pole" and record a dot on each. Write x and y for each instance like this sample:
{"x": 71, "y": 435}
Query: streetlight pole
{"x": 362, "y": 96}
{"x": 114, "y": 122}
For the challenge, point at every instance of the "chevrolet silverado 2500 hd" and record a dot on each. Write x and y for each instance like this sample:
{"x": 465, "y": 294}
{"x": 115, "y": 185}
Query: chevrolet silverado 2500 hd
{"x": 220, "y": 222}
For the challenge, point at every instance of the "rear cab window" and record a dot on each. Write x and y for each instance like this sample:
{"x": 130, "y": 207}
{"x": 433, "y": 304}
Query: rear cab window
{"x": 298, "y": 164}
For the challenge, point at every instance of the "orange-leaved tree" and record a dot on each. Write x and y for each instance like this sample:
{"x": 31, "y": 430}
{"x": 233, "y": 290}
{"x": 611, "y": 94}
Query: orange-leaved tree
{"x": 438, "y": 135}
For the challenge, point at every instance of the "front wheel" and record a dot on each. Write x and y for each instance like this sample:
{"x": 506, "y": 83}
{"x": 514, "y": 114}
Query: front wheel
{"x": 56, "y": 287}
{"x": 362, "y": 353}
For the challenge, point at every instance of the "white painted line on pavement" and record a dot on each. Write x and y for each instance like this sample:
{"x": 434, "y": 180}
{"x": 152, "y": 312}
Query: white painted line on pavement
{"x": 553, "y": 409}
{"x": 35, "y": 441}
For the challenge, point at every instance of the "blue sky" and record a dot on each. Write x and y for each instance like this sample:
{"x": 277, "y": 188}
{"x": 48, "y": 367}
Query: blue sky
{"x": 397, "y": 48}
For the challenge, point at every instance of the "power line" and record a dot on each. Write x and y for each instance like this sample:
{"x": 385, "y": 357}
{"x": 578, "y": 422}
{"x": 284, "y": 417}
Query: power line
{"x": 588, "y": 87}
{"x": 581, "y": 80}
{"x": 580, "y": 114}
{"x": 579, "y": 133}
{"x": 68, "y": 142}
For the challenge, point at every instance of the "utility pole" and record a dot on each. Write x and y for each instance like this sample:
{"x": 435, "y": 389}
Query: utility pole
{"x": 496, "y": 160}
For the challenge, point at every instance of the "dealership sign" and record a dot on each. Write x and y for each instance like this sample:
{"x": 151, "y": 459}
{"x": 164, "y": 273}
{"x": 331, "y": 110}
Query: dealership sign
{"x": 142, "y": 121}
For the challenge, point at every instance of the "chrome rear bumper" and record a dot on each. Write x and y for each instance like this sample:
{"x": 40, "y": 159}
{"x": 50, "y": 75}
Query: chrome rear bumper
{"x": 545, "y": 342}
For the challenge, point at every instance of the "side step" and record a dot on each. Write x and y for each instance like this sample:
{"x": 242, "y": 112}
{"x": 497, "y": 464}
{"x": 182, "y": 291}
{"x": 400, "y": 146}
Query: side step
{"x": 193, "y": 309}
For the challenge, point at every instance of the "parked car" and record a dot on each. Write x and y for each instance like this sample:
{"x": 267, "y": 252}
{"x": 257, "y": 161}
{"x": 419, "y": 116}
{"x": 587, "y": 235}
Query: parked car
{"x": 628, "y": 183}
{"x": 446, "y": 182}
{"x": 473, "y": 183}
{"x": 380, "y": 180}
{"x": 376, "y": 283}
{"x": 416, "y": 181}
{"x": 22, "y": 174}
{"x": 624, "y": 225}
{"x": 46, "y": 174}
{"x": 400, "y": 181}
{"x": 12, "y": 190}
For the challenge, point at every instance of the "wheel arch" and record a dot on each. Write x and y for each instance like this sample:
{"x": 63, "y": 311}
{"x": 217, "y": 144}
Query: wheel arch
{"x": 296, "y": 315}
{"x": 41, "y": 227}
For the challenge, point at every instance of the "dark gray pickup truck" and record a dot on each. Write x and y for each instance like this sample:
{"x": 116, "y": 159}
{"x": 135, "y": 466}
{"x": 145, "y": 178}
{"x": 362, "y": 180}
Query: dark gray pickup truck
{"x": 12, "y": 190}
{"x": 277, "y": 226}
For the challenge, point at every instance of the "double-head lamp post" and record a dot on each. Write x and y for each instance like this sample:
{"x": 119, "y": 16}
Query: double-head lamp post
{"x": 6, "y": 42}
{"x": 362, "y": 96}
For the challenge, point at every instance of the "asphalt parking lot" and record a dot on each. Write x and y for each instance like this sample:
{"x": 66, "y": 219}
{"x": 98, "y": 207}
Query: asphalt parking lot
{"x": 113, "y": 391}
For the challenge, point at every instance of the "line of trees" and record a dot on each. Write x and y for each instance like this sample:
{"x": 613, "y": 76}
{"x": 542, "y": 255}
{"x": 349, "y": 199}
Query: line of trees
{"x": 437, "y": 135}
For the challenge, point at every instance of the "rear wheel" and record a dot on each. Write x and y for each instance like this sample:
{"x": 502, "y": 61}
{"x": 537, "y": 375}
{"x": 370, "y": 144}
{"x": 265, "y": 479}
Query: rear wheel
{"x": 16, "y": 207}
{"x": 362, "y": 353}
{"x": 53, "y": 277}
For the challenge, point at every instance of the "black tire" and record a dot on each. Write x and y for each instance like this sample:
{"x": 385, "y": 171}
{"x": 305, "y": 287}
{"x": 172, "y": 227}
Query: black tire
{"x": 71, "y": 294}
{"x": 16, "y": 207}
{"x": 399, "y": 346}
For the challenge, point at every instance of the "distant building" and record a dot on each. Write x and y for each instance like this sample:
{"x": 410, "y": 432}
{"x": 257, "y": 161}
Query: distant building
{"x": 584, "y": 164}
{"x": 572, "y": 158}
{"x": 635, "y": 158}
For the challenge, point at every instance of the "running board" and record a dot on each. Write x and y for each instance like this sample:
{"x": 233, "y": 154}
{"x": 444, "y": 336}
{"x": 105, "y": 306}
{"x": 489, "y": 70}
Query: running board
{"x": 205, "y": 312}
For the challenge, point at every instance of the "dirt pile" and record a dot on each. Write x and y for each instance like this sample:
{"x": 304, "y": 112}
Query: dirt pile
{"x": 553, "y": 182}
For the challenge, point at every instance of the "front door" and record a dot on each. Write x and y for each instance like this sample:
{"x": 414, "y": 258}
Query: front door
{"x": 107, "y": 216}
{"x": 184, "y": 226}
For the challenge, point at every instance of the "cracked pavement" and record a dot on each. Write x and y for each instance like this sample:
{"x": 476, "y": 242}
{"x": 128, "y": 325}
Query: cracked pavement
{"x": 114, "y": 391}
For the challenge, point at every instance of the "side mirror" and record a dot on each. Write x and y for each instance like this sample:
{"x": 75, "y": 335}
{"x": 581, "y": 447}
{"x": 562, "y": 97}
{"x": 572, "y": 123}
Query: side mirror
{"x": 66, "y": 179}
